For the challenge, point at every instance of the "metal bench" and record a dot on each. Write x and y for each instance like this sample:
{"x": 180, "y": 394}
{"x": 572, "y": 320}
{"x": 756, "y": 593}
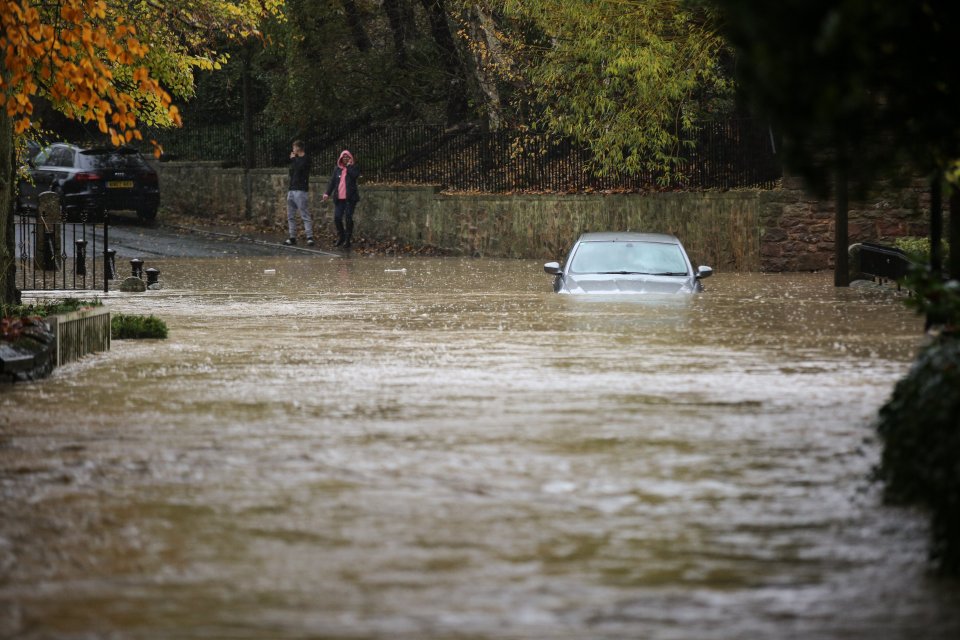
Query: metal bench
{"x": 881, "y": 262}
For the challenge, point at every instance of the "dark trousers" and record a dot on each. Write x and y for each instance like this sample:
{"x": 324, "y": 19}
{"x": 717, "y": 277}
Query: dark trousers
{"x": 343, "y": 218}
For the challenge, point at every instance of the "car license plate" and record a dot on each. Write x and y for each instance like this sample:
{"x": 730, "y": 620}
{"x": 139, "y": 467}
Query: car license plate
{"x": 120, "y": 184}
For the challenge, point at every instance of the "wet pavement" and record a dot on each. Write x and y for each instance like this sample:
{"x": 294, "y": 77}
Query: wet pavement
{"x": 177, "y": 240}
{"x": 443, "y": 448}
{"x": 174, "y": 239}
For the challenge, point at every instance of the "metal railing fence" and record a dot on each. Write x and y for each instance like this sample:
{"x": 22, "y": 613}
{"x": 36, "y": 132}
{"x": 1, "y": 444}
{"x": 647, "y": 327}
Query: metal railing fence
{"x": 724, "y": 155}
{"x": 62, "y": 256}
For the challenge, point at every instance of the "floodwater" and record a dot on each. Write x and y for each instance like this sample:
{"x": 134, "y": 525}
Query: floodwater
{"x": 344, "y": 449}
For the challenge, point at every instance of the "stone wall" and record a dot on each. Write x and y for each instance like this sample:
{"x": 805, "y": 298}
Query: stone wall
{"x": 746, "y": 230}
{"x": 719, "y": 229}
{"x": 206, "y": 190}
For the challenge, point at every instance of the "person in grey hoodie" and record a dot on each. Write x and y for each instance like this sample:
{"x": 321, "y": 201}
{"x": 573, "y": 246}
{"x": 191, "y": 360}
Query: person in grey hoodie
{"x": 343, "y": 189}
{"x": 297, "y": 196}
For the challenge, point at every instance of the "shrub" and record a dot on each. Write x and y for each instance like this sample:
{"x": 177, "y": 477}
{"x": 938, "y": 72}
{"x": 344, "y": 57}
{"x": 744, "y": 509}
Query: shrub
{"x": 935, "y": 298}
{"x": 918, "y": 248}
{"x": 920, "y": 428}
{"x": 131, "y": 327}
{"x": 46, "y": 308}
{"x": 920, "y": 424}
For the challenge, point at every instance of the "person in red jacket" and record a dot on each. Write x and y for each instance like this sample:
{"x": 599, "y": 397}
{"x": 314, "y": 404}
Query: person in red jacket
{"x": 343, "y": 189}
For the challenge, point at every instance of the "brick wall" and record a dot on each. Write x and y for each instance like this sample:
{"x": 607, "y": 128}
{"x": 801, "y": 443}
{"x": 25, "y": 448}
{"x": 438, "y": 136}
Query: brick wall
{"x": 798, "y": 229}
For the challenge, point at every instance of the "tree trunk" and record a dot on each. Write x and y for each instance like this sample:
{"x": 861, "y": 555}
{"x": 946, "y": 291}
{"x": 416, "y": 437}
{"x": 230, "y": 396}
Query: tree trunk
{"x": 841, "y": 271}
{"x": 8, "y": 183}
{"x": 483, "y": 31}
{"x": 954, "y": 233}
{"x": 936, "y": 225}
{"x": 398, "y": 26}
{"x": 355, "y": 22}
{"x": 249, "y": 150}
{"x": 458, "y": 105}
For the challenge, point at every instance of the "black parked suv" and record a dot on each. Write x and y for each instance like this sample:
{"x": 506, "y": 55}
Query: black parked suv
{"x": 92, "y": 181}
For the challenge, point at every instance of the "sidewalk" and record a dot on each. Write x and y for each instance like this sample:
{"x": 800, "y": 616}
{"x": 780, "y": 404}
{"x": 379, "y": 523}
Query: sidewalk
{"x": 242, "y": 232}
{"x": 274, "y": 237}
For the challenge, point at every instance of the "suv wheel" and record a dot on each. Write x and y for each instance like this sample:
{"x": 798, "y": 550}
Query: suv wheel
{"x": 147, "y": 214}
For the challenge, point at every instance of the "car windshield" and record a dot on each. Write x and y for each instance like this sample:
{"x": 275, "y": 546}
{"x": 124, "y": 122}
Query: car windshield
{"x": 112, "y": 159}
{"x": 621, "y": 257}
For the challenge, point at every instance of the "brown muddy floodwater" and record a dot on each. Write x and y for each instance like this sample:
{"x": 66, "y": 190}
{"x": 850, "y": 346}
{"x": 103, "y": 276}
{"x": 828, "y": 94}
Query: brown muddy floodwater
{"x": 346, "y": 450}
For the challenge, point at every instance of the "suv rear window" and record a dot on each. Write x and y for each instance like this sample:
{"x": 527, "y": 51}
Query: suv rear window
{"x": 112, "y": 159}
{"x": 60, "y": 157}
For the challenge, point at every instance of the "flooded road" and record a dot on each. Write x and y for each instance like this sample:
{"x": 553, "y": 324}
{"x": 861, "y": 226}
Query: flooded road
{"x": 443, "y": 448}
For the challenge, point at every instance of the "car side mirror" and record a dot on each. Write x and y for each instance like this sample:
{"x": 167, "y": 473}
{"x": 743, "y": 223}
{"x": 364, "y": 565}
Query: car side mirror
{"x": 553, "y": 268}
{"x": 704, "y": 272}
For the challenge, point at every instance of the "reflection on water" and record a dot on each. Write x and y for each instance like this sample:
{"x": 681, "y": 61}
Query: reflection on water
{"x": 344, "y": 449}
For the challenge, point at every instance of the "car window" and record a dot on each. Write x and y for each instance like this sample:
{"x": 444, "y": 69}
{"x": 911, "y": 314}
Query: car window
{"x": 61, "y": 157}
{"x": 30, "y": 152}
{"x": 631, "y": 257}
{"x": 112, "y": 159}
{"x": 41, "y": 158}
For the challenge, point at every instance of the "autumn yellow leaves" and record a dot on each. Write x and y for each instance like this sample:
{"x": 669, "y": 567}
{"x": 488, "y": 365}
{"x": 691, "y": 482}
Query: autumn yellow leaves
{"x": 80, "y": 57}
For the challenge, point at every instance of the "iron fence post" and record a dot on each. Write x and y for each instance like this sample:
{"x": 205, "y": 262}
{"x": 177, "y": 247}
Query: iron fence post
{"x": 107, "y": 258}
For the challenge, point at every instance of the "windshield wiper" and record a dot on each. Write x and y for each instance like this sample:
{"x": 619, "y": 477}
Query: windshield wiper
{"x": 625, "y": 273}
{"x": 643, "y": 273}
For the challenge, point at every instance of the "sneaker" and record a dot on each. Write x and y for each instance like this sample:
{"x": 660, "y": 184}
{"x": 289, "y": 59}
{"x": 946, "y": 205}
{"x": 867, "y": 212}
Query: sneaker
{"x": 290, "y": 242}
{"x": 309, "y": 242}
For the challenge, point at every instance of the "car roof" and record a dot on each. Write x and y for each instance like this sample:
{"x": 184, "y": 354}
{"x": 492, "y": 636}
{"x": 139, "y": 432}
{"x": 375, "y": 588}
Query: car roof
{"x": 105, "y": 150}
{"x": 627, "y": 236}
{"x": 94, "y": 149}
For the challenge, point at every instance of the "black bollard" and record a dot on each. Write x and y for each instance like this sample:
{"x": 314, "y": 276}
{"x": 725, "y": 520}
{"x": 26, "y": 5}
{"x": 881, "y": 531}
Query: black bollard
{"x": 137, "y": 267}
{"x": 110, "y": 263}
{"x": 80, "y": 257}
{"x": 153, "y": 276}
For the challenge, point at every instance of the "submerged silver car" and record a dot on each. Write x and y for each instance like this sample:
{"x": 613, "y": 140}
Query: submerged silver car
{"x": 614, "y": 262}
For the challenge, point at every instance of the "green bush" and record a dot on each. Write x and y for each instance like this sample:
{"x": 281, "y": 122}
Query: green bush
{"x": 935, "y": 298}
{"x": 132, "y": 327}
{"x": 46, "y": 308}
{"x": 918, "y": 248}
{"x": 920, "y": 428}
{"x": 920, "y": 425}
